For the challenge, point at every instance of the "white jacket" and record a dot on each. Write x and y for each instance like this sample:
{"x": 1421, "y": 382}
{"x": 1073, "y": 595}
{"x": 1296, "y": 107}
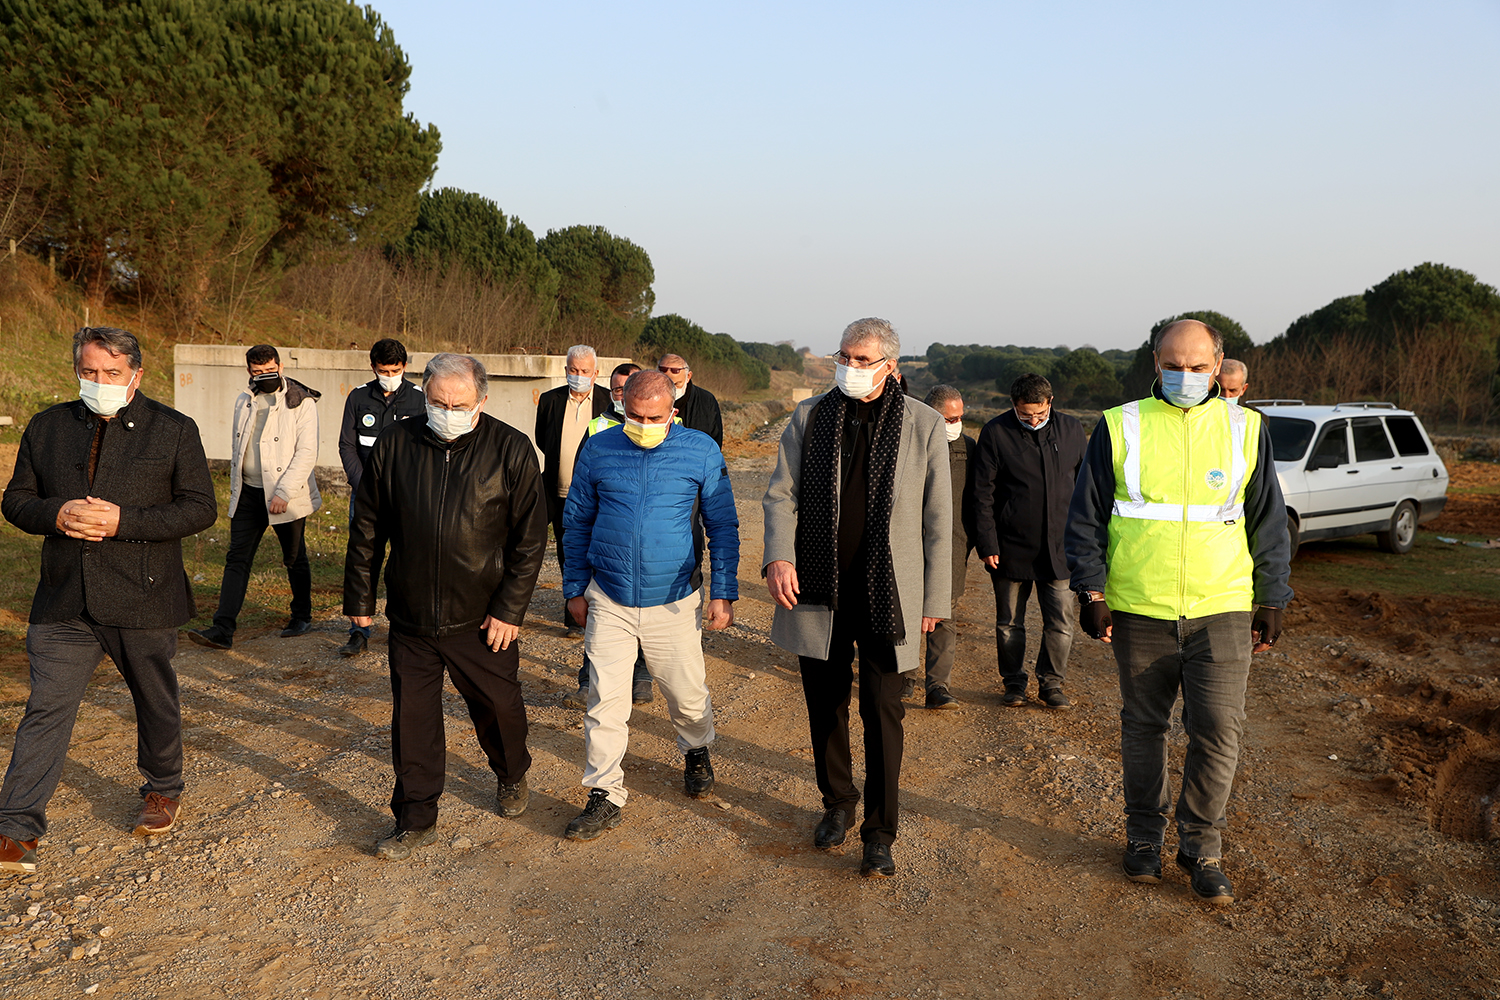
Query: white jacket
{"x": 288, "y": 450}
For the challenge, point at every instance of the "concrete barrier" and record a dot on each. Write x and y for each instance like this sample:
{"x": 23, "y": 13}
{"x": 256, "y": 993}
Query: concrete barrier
{"x": 208, "y": 377}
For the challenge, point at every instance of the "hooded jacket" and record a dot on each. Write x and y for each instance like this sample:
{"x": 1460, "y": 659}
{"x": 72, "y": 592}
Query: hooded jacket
{"x": 288, "y": 450}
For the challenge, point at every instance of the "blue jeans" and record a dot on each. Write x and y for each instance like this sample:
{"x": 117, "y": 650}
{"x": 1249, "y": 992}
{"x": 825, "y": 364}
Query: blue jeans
{"x": 1208, "y": 660}
{"x": 1056, "y": 603}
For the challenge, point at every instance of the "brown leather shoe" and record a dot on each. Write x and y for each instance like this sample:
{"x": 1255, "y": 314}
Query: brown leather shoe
{"x": 17, "y": 855}
{"x": 158, "y": 815}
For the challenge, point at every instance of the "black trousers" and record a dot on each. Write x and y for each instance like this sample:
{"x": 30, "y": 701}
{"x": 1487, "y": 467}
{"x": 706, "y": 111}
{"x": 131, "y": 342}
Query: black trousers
{"x": 246, "y": 528}
{"x": 826, "y": 684}
{"x": 641, "y": 673}
{"x": 491, "y": 689}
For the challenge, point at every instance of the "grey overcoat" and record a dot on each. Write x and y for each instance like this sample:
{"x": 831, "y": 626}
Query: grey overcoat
{"x": 921, "y": 532}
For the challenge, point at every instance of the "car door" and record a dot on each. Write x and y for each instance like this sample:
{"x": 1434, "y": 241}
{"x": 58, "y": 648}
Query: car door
{"x": 1333, "y": 506}
{"x": 1378, "y": 474}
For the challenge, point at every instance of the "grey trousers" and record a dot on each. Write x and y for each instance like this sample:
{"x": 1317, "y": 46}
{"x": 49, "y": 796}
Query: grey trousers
{"x": 63, "y": 658}
{"x": 1056, "y": 602}
{"x": 1208, "y": 661}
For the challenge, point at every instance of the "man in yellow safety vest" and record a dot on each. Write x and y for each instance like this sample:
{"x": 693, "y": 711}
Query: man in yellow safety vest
{"x": 1177, "y": 545}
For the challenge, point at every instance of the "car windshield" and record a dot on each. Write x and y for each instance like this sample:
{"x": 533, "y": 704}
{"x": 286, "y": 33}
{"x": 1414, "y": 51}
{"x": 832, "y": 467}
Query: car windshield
{"x": 1290, "y": 437}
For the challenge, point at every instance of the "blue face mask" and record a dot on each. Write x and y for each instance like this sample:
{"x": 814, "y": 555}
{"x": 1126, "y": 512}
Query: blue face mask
{"x": 1186, "y": 389}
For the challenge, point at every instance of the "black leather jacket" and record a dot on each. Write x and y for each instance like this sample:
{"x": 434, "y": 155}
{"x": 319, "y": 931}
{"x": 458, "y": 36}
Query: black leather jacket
{"x": 467, "y": 525}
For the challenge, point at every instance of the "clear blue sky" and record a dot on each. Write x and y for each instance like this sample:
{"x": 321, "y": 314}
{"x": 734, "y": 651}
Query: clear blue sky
{"x": 980, "y": 173}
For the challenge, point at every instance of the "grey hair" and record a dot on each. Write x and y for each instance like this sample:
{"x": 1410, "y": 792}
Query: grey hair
{"x": 1233, "y": 367}
{"x": 580, "y": 350}
{"x": 878, "y": 330}
{"x": 113, "y": 339}
{"x": 1214, "y": 335}
{"x": 450, "y": 365}
{"x": 942, "y": 395}
{"x": 647, "y": 384}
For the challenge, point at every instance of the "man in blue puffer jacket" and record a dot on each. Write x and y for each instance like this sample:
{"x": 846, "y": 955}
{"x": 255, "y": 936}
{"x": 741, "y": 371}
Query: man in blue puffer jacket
{"x": 630, "y": 574}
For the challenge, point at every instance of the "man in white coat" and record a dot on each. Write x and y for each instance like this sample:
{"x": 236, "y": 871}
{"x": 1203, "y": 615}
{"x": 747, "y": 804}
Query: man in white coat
{"x": 858, "y": 552}
{"x": 271, "y": 484}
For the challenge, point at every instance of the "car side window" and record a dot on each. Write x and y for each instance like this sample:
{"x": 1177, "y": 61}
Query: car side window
{"x": 1370, "y": 442}
{"x": 1407, "y": 435}
{"x": 1332, "y": 449}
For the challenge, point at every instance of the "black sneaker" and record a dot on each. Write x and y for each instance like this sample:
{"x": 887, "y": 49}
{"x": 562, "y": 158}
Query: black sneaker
{"x": 640, "y": 692}
{"x": 1142, "y": 862}
{"x": 831, "y": 829}
{"x": 598, "y": 815}
{"x": 939, "y": 697}
{"x": 908, "y": 688}
{"x": 877, "y": 862}
{"x": 296, "y": 627}
{"x": 511, "y": 800}
{"x": 356, "y": 644}
{"x": 698, "y": 773}
{"x": 398, "y": 844}
{"x": 1208, "y": 879}
{"x": 1054, "y": 698}
{"x": 211, "y": 637}
{"x": 1013, "y": 697}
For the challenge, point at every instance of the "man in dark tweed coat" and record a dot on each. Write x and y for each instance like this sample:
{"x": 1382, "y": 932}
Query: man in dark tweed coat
{"x": 113, "y": 481}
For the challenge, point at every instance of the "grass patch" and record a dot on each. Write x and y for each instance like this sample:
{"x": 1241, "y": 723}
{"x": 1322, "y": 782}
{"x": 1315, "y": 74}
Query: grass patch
{"x": 1431, "y": 569}
{"x": 266, "y": 603}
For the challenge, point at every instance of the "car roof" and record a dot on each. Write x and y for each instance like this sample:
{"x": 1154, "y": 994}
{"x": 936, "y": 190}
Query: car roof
{"x": 1305, "y": 411}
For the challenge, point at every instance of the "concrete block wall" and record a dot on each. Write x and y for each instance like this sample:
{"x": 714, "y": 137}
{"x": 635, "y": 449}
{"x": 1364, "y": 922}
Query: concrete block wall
{"x": 208, "y": 377}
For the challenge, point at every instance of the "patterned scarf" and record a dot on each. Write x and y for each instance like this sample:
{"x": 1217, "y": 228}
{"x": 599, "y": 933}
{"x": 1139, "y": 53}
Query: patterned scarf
{"x": 818, "y": 505}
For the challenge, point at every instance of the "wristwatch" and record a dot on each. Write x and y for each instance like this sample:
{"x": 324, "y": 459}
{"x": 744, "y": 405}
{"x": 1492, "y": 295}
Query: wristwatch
{"x": 1089, "y": 596}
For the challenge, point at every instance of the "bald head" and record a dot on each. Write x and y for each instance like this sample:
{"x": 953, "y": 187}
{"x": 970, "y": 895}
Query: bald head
{"x": 648, "y": 397}
{"x": 1189, "y": 346}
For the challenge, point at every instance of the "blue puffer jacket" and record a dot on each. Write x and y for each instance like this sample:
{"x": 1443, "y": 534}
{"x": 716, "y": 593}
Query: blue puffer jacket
{"x": 628, "y": 521}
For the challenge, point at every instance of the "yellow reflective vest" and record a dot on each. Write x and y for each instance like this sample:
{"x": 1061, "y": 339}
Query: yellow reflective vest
{"x": 1177, "y": 541}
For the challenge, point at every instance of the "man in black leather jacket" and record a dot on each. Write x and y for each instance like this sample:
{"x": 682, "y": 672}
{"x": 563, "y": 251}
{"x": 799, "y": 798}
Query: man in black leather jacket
{"x": 460, "y": 498}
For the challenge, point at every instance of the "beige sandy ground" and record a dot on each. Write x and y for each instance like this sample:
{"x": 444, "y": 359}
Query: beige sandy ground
{"x": 1359, "y": 742}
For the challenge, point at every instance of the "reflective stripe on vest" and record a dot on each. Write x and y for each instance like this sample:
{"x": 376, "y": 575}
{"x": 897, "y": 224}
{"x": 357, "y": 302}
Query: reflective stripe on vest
{"x": 1137, "y": 507}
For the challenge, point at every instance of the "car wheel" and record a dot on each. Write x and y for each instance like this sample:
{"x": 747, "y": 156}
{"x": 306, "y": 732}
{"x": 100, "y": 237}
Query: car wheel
{"x": 1403, "y": 531}
{"x": 1294, "y": 533}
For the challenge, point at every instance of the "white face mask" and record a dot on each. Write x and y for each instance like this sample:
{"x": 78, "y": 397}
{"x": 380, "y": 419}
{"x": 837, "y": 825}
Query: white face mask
{"x": 619, "y": 405}
{"x": 677, "y": 391}
{"x": 954, "y": 430}
{"x": 450, "y": 425}
{"x": 1186, "y": 389}
{"x": 856, "y": 383}
{"x": 390, "y": 383}
{"x": 580, "y": 383}
{"x": 103, "y": 398}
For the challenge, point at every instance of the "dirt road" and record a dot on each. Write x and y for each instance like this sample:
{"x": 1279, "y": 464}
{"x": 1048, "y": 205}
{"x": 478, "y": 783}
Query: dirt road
{"x": 1357, "y": 839}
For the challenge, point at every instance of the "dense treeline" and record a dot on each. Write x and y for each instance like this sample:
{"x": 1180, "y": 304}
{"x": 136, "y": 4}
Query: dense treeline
{"x": 1081, "y": 378}
{"x": 205, "y": 160}
{"x": 1425, "y": 338}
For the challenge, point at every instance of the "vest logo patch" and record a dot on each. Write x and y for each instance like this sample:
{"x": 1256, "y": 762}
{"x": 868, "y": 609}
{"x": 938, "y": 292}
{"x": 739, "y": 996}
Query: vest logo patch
{"x": 1216, "y": 479}
{"x": 368, "y": 420}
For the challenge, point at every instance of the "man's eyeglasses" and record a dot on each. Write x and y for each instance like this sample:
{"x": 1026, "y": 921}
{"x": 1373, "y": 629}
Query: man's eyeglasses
{"x": 669, "y": 370}
{"x": 845, "y": 359}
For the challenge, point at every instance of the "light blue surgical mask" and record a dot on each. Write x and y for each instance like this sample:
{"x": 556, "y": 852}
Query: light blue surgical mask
{"x": 1186, "y": 389}
{"x": 1232, "y": 400}
{"x": 1037, "y": 427}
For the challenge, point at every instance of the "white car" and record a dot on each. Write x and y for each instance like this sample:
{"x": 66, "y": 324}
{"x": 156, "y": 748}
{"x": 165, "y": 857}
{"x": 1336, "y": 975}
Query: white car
{"x": 1355, "y": 468}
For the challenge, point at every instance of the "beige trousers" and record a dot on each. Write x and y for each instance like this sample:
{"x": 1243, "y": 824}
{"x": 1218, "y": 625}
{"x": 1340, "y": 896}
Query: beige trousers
{"x": 671, "y": 637}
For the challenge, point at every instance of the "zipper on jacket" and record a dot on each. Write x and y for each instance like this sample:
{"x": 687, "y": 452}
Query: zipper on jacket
{"x": 1182, "y": 556}
{"x": 640, "y": 512}
{"x": 437, "y": 581}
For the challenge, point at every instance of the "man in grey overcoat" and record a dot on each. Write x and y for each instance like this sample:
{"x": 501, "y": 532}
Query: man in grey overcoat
{"x": 858, "y": 552}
